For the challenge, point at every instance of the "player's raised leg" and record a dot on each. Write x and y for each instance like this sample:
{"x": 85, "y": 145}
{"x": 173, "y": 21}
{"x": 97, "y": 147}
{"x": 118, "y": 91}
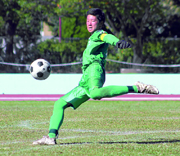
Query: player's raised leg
{"x": 111, "y": 91}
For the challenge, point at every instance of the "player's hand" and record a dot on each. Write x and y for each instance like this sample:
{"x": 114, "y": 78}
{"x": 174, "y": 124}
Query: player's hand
{"x": 122, "y": 44}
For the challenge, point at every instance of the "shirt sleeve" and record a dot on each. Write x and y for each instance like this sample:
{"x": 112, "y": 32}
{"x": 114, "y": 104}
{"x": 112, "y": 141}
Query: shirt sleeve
{"x": 109, "y": 38}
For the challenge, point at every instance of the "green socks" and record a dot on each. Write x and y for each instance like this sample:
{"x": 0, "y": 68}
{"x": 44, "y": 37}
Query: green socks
{"x": 57, "y": 118}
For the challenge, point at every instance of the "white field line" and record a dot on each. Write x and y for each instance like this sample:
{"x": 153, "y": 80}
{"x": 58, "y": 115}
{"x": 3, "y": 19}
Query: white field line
{"x": 119, "y": 132}
{"x": 29, "y": 123}
{"x": 112, "y": 118}
{"x": 71, "y": 137}
{"x": 77, "y": 130}
{"x": 27, "y": 149}
{"x": 103, "y": 133}
{"x": 26, "y": 124}
{"x": 61, "y": 138}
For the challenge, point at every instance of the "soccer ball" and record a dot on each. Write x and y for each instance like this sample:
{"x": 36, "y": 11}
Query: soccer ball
{"x": 40, "y": 69}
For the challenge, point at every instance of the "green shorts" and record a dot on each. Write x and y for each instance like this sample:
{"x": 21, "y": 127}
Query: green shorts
{"x": 93, "y": 77}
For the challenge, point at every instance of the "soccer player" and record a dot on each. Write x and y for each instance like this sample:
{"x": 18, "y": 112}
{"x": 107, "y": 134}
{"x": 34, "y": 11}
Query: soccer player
{"x": 93, "y": 78}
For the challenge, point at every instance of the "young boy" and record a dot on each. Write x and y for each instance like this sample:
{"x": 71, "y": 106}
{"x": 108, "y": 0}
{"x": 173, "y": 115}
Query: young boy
{"x": 91, "y": 83}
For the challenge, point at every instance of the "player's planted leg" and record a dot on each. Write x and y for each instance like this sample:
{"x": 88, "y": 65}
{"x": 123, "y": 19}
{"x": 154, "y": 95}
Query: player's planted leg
{"x": 55, "y": 123}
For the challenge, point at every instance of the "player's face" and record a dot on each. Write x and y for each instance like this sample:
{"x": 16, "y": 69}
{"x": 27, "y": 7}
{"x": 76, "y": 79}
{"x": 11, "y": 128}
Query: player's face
{"x": 92, "y": 23}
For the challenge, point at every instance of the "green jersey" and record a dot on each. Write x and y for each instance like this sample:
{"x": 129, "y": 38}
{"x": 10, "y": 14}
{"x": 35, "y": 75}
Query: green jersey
{"x": 96, "y": 50}
{"x": 93, "y": 68}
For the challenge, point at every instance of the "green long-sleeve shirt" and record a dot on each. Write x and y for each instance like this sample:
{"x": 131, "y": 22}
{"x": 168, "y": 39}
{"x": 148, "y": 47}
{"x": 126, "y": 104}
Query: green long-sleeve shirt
{"x": 96, "y": 50}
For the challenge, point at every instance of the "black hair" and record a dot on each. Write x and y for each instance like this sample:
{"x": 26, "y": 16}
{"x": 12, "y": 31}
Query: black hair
{"x": 98, "y": 13}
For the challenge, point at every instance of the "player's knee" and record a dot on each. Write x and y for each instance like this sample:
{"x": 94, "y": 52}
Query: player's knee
{"x": 95, "y": 94}
{"x": 60, "y": 104}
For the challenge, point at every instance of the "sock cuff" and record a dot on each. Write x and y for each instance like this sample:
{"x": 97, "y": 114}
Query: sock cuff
{"x": 55, "y": 131}
{"x": 133, "y": 89}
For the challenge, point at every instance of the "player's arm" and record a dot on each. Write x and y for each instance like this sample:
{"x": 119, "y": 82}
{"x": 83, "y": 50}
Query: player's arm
{"x": 113, "y": 40}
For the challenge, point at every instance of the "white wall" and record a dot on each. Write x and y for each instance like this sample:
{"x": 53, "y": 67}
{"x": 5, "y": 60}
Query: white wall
{"x": 62, "y": 83}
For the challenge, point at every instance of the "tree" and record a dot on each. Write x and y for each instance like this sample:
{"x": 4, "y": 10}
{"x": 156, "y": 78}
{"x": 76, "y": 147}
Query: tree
{"x": 137, "y": 21}
{"x": 176, "y": 2}
{"x": 71, "y": 26}
{"x": 11, "y": 20}
{"x": 21, "y": 21}
{"x": 172, "y": 23}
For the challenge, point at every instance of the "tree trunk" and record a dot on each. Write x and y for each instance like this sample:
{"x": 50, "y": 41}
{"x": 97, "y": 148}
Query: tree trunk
{"x": 9, "y": 49}
{"x": 137, "y": 58}
{"x": 138, "y": 47}
{"x": 10, "y": 29}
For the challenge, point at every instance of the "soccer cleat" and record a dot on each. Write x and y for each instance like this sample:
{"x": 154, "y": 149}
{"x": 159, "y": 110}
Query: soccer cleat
{"x": 144, "y": 88}
{"x": 45, "y": 141}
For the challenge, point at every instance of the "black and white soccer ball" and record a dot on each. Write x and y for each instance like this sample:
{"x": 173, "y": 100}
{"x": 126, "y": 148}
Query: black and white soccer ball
{"x": 40, "y": 69}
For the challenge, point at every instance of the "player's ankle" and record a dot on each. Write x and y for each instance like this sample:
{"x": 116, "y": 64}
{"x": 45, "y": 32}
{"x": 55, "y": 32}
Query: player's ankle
{"x": 52, "y": 135}
{"x": 135, "y": 88}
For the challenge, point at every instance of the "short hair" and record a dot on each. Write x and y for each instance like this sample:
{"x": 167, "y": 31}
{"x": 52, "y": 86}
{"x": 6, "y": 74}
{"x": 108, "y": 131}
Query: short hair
{"x": 98, "y": 13}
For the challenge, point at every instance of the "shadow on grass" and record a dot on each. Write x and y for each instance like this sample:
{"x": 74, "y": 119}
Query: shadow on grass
{"x": 123, "y": 142}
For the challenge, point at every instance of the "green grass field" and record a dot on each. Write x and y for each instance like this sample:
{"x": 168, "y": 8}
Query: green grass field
{"x": 97, "y": 128}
